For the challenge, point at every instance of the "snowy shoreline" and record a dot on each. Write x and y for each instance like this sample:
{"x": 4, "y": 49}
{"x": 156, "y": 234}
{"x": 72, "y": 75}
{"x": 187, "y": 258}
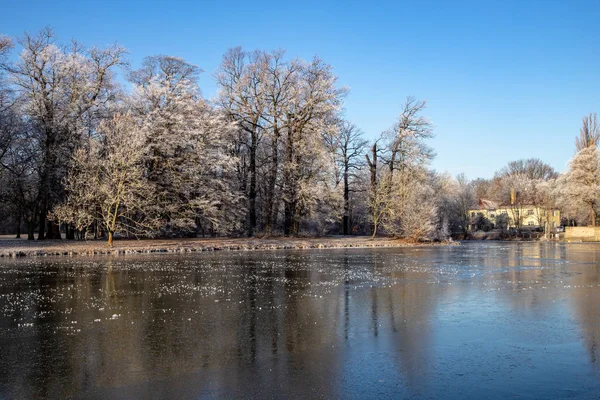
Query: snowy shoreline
{"x": 12, "y": 248}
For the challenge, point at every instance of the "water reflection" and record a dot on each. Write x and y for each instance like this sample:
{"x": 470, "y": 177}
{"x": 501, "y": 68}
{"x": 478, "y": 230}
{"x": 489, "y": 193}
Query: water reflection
{"x": 586, "y": 298}
{"x": 431, "y": 322}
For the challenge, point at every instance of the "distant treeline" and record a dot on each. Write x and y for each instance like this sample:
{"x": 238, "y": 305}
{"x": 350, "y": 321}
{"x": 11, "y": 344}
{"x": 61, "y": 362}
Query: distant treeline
{"x": 272, "y": 155}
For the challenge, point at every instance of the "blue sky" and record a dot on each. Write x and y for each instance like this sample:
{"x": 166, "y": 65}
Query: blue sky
{"x": 503, "y": 79}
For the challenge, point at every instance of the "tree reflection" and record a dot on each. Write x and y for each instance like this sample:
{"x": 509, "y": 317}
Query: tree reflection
{"x": 326, "y": 323}
{"x": 586, "y": 297}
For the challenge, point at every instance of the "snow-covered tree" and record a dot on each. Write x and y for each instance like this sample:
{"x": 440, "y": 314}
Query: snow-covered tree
{"x": 106, "y": 183}
{"x": 400, "y": 184}
{"x": 63, "y": 92}
{"x": 7, "y": 110}
{"x": 443, "y": 192}
{"x": 284, "y": 110}
{"x": 581, "y": 184}
{"x": 544, "y": 197}
{"x": 347, "y": 147}
{"x": 186, "y": 155}
{"x": 405, "y": 146}
{"x": 408, "y": 205}
{"x": 462, "y": 200}
{"x": 242, "y": 77}
{"x": 310, "y": 114}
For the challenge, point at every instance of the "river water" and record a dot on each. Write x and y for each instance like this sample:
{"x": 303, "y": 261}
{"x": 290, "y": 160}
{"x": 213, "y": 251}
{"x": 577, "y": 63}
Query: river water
{"x": 481, "y": 320}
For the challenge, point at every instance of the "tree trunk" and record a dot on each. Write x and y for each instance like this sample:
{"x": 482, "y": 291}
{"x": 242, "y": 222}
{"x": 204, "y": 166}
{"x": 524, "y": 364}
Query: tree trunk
{"x": 346, "y": 218}
{"x": 296, "y": 219}
{"x": 294, "y": 204}
{"x": 252, "y": 191}
{"x": 19, "y": 226}
{"x": 289, "y": 195}
{"x": 42, "y": 224}
{"x": 52, "y": 230}
{"x": 110, "y": 238}
{"x": 44, "y": 182}
{"x": 287, "y": 218}
{"x": 269, "y": 211}
{"x": 70, "y": 232}
{"x": 30, "y": 230}
{"x": 374, "y": 231}
{"x": 373, "y": 170}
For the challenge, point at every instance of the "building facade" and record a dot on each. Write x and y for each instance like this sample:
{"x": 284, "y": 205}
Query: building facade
{"x": 516, "y": 216}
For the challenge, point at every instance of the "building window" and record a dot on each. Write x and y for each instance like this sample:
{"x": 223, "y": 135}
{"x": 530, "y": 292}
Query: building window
{"x": 529, "y": 212}
{"x": 530, "y": 223}
{"x": 492, "y": 215}
{"x": 472, "y": 214}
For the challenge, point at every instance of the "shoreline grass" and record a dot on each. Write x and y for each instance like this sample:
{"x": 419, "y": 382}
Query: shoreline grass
{"x": 12, "y": 248}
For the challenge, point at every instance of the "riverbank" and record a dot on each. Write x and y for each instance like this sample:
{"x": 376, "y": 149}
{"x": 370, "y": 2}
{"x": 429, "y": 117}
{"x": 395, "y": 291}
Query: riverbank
{"x": 10, "y": 247}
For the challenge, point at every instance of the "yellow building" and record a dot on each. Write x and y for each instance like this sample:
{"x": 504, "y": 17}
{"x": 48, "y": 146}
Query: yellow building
{"x": 521, "y": 216}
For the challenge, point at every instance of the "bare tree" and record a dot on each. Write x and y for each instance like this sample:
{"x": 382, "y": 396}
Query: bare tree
{"x": 405, "y": 155}
{"x": 6, "y": 45}
{"x": 380, "y": 202}
{"x": 464, "y": 200}
{"x": 348, "y": 147}
{"x": 419, "y": 210}
{"x": 545, "y": 200}
{"x": 589, "y": 134}
{"x": 443, "y": 190}
{"x": 404, "y": 211}
{"x": 531, "y": 168}
{"x": 406, "y": 147}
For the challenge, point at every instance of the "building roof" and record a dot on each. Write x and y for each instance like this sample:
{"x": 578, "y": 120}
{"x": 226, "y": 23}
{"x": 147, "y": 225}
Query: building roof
{"x": 486, "y": 204}
{"x": 490, "y": 205}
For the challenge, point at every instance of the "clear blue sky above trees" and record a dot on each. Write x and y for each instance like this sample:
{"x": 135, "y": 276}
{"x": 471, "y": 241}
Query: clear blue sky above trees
{"x": 504, "y": 80}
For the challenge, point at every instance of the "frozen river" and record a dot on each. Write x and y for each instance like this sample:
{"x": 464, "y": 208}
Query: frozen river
{"x": 481, "y": 320}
